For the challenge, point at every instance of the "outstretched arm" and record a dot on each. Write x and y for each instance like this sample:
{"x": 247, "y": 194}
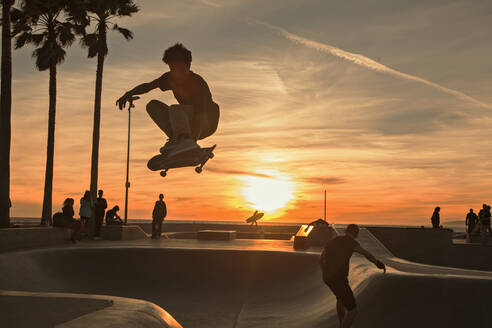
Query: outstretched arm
{"x": 138, "y": 90}
{"x": 143, "y": 88}
{"x": 370, "y": 257}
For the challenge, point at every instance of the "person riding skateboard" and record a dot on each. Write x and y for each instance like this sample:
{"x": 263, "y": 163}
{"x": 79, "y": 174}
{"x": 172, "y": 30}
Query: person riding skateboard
{"x": 334, "y": 262}
{"x": 197, "y": 115}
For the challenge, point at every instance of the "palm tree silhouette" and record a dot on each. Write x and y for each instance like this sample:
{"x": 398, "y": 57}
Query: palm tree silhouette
{"x": 42, "y": 23}
{"x": 102, "y": 13}
{"x": 5, "y": 121}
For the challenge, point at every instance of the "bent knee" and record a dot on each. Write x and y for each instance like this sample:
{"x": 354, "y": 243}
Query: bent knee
{"x": 154, "y": 105}
{"x": 353, "y": 312}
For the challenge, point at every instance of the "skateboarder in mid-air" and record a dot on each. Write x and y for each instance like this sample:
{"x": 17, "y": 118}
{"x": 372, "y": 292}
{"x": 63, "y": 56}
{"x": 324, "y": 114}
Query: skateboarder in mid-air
{"x": 334, "y": 262}
{"x": 197, "y": 115}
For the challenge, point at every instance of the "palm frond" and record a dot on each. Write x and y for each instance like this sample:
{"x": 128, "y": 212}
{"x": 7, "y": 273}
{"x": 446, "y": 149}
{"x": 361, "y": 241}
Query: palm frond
{"x": 127, "y": 34}
{"x": 65, "y": 33}
{"x": 91, "y": 42}
{"x": 127, "y": 8}
{"x": 88, "y": 40}
{"x": 50, "y": 53}
{"x": 37, "y": 38}
{"x": 16, "y": 15}
{"x": 22, "y": 39}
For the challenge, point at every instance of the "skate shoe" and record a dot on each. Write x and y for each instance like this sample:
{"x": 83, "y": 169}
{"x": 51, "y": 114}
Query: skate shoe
{"x": 170, "y": 145}
{"x": 183, "y": 146}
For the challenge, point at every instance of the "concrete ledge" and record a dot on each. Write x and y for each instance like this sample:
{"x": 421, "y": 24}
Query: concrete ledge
{"x": 309, "y": 236}
{"x": 195, "y": 226}
{"x": 415, "y": 244}
{"x": 301, "y": 237}
{"x": 216, "y": 235}
{"x": 180, "y": 235}
{"x": 18, "y": 238}
{"x": 121, "y": 312}
{"x": 320, "y": 235}
{"x": 122, "y": 232}
{"x": 433, "y": 246}
{"x": 251, "y": 235}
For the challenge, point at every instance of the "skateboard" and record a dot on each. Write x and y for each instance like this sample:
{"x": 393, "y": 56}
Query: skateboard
{"x": 196, "y": 157}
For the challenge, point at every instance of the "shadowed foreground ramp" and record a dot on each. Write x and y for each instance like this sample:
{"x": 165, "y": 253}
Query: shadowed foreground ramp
{"x": 248, "y": 284}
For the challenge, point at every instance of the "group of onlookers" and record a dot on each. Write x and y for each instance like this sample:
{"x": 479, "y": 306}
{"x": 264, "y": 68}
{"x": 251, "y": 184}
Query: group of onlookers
{"x": 475, "y": 224}
{"x": 479, "y": 223}
{"x": 65, "y": 218}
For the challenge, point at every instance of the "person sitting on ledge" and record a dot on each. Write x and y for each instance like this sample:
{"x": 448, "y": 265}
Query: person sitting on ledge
{"x": 334, "y": 262}
{"x": 112, "y": 218}
{"x": 65, "y": 219}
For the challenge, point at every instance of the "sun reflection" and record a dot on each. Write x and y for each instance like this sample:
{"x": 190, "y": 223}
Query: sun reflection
{"x": 269, "y": 193}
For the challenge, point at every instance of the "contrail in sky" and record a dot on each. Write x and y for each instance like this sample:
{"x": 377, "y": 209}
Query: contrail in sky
{"x": 364, "y": 61}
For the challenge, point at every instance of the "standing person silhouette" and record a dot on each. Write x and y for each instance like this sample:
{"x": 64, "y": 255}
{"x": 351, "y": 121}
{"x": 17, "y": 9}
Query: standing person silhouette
{"x": 436, "y": 219}
{"x": 100, "y": 206}
{"x": 334, "y": 262}
{"x": 85, "y": 211}
{"x": 484, "y": 220}
{"x": 197, "y": 115}
{"x": 471, "y": 221}
{"x": 158, "y": 215}
{"x": 486, "y": 216}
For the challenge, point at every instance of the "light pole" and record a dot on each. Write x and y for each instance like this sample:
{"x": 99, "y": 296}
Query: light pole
{"x": 127, "y": 184}
{"x": 325, "y": 206}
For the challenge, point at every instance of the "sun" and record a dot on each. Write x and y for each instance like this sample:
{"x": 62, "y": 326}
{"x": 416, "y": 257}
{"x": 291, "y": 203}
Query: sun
{"x": 269, "y": 191}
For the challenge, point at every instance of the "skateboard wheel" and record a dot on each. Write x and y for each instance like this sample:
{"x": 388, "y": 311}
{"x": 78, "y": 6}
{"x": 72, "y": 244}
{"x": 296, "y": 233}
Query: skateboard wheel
{"x": 211, "y": 155}
{"x": 163, "y": 174}
{"x": 198, "y": 169}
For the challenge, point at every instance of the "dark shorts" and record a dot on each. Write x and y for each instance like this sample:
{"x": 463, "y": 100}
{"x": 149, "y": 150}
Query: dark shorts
{"x": 341, "y": 288}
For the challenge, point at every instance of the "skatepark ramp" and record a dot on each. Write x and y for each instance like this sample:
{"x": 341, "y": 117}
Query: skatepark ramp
{"x": 219, "y": 286}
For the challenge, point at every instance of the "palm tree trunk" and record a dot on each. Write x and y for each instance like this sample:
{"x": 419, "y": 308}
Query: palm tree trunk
{"x": 95, "y": 137}
{"x": 5, "y": 123}
{"x": 50, "y": 151}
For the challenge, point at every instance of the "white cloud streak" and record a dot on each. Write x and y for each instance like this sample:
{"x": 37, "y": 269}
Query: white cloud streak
{"x": 364, "y": 61}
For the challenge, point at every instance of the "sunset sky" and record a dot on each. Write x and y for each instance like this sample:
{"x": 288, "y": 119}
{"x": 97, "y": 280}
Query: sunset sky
{"x": 385, "y": 104}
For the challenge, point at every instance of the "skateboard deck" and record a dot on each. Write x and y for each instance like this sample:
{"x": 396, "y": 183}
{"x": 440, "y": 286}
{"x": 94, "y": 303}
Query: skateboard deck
{"x": 196, "y": 157}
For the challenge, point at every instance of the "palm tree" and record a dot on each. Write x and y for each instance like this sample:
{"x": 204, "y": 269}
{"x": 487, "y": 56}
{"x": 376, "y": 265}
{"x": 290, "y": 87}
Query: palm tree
{"x": 102, "y": 12}
{"x": 41, "y": 23}
{"x": 5, "y": 106}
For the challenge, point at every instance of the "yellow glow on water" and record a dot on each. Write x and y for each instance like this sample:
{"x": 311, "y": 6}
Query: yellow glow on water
{"x": 270, "y": 193}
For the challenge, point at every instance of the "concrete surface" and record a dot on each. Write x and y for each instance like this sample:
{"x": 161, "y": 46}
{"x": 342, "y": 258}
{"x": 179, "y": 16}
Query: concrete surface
{"x": 38, "y": 311}
{"x": 216, "y": 235}
{"x": 17, "y": 238}
{"x": 251, "y": 283}
{"x": 65, "y": 310}
{"x": 433, "y": 246}
{"x": 122, "y": 232}
{"x": 195, "y": 226}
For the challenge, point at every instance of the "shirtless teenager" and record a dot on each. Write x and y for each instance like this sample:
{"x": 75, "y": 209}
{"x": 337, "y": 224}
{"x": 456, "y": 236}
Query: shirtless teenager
{"x": 334, "y": 262}
{"x": 197, "y": 115}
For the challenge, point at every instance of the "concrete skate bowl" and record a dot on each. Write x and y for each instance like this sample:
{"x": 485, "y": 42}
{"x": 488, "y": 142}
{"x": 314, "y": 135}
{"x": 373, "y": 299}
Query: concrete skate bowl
{"x": 230, "y": 288}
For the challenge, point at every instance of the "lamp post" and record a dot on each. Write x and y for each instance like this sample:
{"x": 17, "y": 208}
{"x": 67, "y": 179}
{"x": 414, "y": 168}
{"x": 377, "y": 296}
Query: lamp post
{"x": 325, "y": 206}
{"x": 127, "y": 184}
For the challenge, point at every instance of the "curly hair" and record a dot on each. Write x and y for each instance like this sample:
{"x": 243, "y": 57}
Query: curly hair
{"x": 353, "y": 229}
{"x": 177, "y": 53}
